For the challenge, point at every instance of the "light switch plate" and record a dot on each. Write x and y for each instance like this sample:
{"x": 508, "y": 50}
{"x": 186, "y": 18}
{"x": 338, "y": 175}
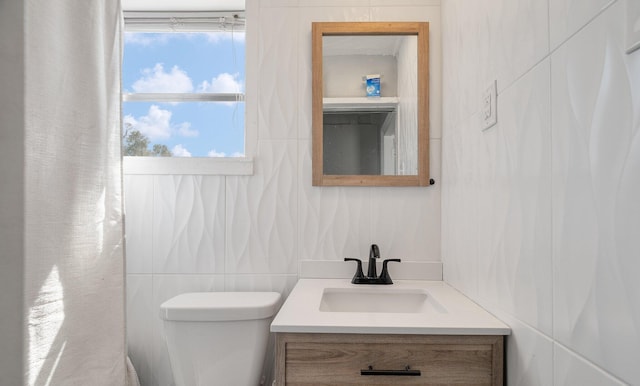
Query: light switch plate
{"x": 633, "y": 25}
{"x": 489, "y": 107}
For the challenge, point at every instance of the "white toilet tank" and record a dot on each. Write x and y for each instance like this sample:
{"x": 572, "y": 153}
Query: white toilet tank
{"x": 218, "y": 338}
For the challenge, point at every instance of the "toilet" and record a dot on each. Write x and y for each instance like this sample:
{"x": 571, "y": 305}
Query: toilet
{"x": 218, "y": 338}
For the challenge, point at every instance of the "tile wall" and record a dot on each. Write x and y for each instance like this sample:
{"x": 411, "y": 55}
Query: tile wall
{"x": 200, "y": 233}
{"x": 540, "y": 213}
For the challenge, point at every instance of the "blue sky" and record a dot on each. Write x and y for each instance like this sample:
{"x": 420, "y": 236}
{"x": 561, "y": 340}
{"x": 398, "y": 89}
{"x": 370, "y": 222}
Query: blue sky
{"x": 186, "y": 63}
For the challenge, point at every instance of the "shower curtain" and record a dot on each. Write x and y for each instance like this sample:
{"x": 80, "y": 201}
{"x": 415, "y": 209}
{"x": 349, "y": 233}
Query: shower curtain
{"x": 74, "y": 307}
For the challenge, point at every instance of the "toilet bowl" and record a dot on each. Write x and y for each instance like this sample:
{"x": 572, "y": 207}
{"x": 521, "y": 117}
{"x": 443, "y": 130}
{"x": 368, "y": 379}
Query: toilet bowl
{"x": 218, "y": 338}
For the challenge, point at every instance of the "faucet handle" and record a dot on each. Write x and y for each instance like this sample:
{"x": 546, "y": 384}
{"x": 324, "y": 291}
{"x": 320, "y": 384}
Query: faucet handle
{"x": 384, "y": 275}
{"x": 359, "y": 275}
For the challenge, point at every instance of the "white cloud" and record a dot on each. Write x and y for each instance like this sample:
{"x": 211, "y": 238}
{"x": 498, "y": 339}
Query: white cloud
{"x": 223, "y": 83}
{"x": 156, "y": 125}
{"x": 156, "y": 80}
{"x": 185, "y": 130}
{"x": 214, "y": 153}
{"x": 237, "y": 154}
{"x": 180, "y": 151}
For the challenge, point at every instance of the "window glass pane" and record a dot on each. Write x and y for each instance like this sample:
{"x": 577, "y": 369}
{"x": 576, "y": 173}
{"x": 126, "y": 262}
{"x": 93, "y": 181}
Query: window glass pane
{"x": 180, "y": 62}
{"x": 184, "y": 63}
{"x": 186, "y": 129}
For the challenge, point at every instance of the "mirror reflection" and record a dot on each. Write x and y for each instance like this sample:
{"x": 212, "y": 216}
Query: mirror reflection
{"x": 370, "y": 123}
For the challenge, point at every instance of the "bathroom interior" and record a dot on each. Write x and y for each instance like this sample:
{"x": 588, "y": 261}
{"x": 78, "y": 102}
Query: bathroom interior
{"x": 535, "y": 218}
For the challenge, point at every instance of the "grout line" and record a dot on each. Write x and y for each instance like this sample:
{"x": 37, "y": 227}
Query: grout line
{"x": 553, "y": 51}
{"x": 551, "y": 228}
{"x": 588, "y": 361}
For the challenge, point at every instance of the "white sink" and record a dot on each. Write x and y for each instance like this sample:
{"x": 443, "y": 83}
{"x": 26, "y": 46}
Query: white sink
{"x": 378, "y": 299}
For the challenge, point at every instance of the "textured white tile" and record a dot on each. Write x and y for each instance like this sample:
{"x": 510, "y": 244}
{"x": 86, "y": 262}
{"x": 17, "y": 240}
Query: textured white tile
{"x": 520, "y": 31}
{"x": 403, "y": 3}
{"x": 278, "y": 3}
{"x": 596, "y": 183}
{"x": 277, "y": 87}
{"x": 344, "y": 4}
{"x": 468, "y": 47}
{"x": 139, "y": 317}
{"x": 265, "y": 283}
{"x": 307, "y": 16}
{"x": 188, "y": 224}
{"x": 515, "y": 202}
{"x": 406, "y": 221}
{"x": 164, "y": 288}
{"x": 529, "y": 354}
{"x": 138, "y": 204}
{"x": 262, "y": 212}
{"x": 335, "y": 222}
{"x": 432, "y": 15}
{"x": 488, "y": 40}
{"x": 570, "y": 369}
{"x": 460, "y": 206}
{"x": 568, "y": 16}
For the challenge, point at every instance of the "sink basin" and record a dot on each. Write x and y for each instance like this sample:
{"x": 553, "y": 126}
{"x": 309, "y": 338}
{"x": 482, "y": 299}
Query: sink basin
{"x": 377, "y": 300}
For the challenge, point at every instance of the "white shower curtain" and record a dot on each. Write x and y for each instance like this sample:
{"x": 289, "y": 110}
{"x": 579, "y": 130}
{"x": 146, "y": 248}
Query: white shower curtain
{"x": 73, "y": 266}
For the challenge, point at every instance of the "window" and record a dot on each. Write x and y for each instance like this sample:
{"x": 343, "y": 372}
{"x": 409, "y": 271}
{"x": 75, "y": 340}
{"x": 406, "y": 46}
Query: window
{"x": 183, "y": 82}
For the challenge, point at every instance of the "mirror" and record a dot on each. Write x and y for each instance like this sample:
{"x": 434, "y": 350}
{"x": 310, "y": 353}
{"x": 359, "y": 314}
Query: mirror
{"x": 370, "y": 104}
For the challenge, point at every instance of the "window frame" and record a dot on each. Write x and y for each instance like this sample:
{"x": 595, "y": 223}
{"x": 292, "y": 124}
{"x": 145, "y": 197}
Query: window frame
{"x": 165, "y": 21}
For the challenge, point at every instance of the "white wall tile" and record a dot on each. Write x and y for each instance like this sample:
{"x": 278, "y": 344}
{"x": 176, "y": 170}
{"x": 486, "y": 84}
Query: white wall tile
{"x": 262, "y": 212}
{"x": 277, "y": 59}
{"x": 138, "y": 204}
{"x": 596, "y": 163}
{"x": 278, "y": 3}
{"x": 515, "y": 202}
{"x": 406, "y": 221}
{"x": 570, "y": 369}
{"x": 460, "y": 206}
{"x": 396, "y": 4}
{"x": 529, "y": 354}
{"x": 335, "y": 222}
{"x": 266, "y": 283}
{"x": 334, "y": 3}
{"x": 566, "y": 17}
{"x": 188, "y": 224}
{"x": 521, "y": 34}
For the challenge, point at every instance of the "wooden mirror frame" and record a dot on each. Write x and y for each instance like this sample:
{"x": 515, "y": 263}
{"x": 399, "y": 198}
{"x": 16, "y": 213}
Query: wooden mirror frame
{"x": 419, "y": 29}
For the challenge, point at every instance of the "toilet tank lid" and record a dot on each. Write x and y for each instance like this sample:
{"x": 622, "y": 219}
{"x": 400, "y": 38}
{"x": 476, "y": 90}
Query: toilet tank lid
{"x": 220, "y": 306}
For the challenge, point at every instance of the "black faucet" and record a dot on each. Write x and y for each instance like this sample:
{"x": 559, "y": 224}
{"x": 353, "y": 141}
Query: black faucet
{"x": 372, "y": 278}
{"x": 374, "y": 253}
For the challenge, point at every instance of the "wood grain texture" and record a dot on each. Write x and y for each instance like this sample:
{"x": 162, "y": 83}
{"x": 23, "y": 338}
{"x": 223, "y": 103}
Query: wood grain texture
{"x": 336, "y": 359}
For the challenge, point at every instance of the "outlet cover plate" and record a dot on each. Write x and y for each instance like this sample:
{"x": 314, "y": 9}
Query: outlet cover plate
{"x": 489, "y": 107}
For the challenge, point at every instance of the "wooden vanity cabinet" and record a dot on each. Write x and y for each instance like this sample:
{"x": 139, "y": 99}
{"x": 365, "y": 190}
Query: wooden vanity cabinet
{"x": 339, "y": 359}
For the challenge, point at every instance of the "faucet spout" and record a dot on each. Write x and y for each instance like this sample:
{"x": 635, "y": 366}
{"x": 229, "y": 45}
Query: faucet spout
{"x": 374, "y": 253}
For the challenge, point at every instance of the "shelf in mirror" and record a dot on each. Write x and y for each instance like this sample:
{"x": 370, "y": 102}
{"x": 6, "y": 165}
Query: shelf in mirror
{"x": 359, "y": 103}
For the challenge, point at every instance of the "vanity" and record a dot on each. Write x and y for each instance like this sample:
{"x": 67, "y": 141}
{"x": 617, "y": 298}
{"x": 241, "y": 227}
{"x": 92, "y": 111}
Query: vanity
{"x": 414, "y": 332}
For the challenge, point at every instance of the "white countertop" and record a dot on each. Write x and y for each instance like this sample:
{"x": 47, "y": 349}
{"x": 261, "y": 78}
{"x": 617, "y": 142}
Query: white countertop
{"x": 449, "y": 313}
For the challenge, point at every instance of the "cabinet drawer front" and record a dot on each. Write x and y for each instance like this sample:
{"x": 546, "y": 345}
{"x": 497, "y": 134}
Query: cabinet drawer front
{"x": 314, "y": 363}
